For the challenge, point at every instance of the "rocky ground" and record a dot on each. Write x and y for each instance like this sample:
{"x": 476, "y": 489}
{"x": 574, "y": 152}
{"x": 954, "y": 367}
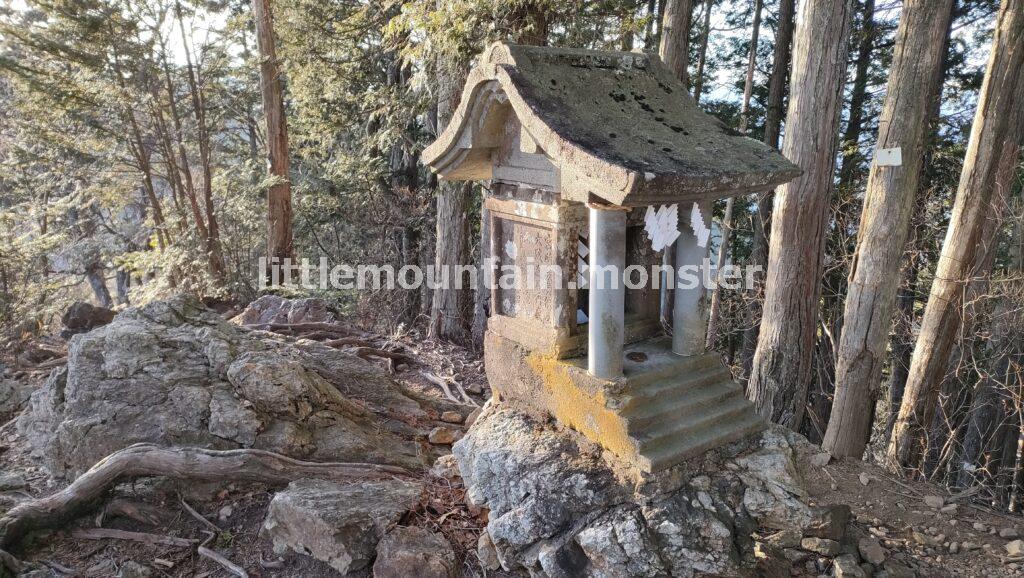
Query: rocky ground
{"x": 517, "y": 495}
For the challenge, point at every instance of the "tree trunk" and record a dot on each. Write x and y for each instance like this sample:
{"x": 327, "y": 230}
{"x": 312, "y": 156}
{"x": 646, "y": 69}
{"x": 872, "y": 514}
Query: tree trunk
{"x": 213, "y": 247}
{"x": 94, "y": 275}
{"x": 991, "y": 154}
{"x": 450, "y": 304}
{"x": 723, "y": 249}
{"x": 851, "y": 156}
{"x": 884, "y": 224}
{"x": 279, "y": 196}
{"x": 782, "y": 363}
{"x": 675, "y": 37}
{"x": 702, "y": 51}
{"x": 761, "y": 221}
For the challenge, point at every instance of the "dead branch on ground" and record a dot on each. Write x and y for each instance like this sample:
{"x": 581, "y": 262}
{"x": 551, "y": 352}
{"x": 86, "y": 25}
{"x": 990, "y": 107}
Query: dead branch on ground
{"x": 139, "y": 460}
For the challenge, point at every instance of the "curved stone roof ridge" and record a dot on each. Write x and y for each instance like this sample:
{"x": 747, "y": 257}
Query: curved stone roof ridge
{"x": 618, "y": 125}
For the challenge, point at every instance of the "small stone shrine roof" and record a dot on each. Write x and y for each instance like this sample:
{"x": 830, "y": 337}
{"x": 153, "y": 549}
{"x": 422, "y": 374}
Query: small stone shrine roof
{"x": 618, "y": 127}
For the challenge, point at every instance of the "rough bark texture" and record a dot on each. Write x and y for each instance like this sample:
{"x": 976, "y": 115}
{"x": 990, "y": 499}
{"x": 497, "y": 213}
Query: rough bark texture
{"x": 783, "y": 360}
{"x": 991, "y": 153}
{"x": 450, "y": 305}
{"x": 675, "y": 37}
{"x": 884, "y": 225}
{"x": 777, "y": 84}
{"x": 279, "y": 197}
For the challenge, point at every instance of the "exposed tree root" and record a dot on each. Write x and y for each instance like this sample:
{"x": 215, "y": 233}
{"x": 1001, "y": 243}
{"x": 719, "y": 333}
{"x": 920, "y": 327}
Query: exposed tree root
{"x": 242, "y": 465}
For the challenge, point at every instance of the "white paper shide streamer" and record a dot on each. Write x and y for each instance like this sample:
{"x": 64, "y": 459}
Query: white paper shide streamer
{"x": 700, "y": 229}
{"x": 662, "y": 225}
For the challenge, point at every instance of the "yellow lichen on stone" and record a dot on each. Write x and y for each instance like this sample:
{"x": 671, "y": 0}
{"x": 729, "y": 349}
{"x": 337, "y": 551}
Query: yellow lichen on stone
{"x": 573, "y": 405}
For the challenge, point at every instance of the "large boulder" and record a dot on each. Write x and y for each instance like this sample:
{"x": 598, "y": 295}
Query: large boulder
{"x": 339, "y": 524}
{"x": 175, "y": 373}
{"x": 559, "y": 506}
{"x": 270, "y": 309}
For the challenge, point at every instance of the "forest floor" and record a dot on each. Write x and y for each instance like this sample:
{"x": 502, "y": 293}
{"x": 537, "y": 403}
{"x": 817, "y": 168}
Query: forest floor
{"x": 924, "y": 530}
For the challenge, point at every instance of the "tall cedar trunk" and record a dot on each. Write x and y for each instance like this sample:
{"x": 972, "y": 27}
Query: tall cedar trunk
{"x": 279, "y": 196}
{"x": 715, "y": 310}
{"x": 991, "y": 154}
{"x": 213, "y": 247}
{"x": 884, "y": 225}
{"x": 848, "y": 168}
{"x": 450, "y": 303}
{"x": 761, "y": 220}
{"x": 702, "y": 51}
{"x": 675, "y": 37}
{"x": 783, "y": 360}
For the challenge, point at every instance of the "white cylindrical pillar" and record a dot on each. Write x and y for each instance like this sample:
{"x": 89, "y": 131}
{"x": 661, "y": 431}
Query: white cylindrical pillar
{"x": 689, "y": 322}
{"x": 606, "y": 327}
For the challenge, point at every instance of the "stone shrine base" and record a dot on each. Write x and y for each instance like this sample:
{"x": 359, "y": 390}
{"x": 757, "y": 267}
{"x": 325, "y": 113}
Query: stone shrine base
{"x": 665, "y": 409}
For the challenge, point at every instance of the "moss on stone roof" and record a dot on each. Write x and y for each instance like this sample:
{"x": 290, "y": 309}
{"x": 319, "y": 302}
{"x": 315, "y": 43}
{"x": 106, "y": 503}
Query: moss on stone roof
{"x": 617, "y": 125}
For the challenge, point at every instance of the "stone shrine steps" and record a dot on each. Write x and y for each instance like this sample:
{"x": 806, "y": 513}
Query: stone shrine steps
{"x": 683, "y": 406}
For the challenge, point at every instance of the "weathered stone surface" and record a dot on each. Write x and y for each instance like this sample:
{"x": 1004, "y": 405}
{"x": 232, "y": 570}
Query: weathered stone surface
{"x": 173, "y": 372}
{"x": 486, "y": 552}
{"x": 820, "y": 546}
{"x": 828, "y": 522}
{"x": 1014, "y": 548}
{"x": 339, "y": 524}
{"x": 274, "y": 309}
{"x": 559, "y": 506}
{"x": 442, "y": 435}
{"x": 584, "y": 105}
{"x": 13, "y": 395}
{"x": 412, "y": 551}
{"x": 846, "y": 566}
{"x": 871, "y": 550}
{"x": 82, "y": 317}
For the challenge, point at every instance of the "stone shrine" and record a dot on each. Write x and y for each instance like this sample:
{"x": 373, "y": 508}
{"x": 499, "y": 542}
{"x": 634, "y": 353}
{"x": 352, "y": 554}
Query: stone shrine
{"x": 576, "y": 145}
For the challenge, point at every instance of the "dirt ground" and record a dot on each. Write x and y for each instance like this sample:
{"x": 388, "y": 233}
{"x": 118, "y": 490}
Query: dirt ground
{"x": 960, "y": 539}
{"x": 917, "y": 535}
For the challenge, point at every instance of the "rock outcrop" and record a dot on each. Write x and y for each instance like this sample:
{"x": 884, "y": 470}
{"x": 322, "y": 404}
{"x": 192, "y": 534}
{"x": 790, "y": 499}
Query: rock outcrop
{"x": 273, "y": 309}
{"x": 339, "y": 524}
{"x": 175, "y": 373}
{"x": 13, "y": 395}
{"x": 559, "y": 506}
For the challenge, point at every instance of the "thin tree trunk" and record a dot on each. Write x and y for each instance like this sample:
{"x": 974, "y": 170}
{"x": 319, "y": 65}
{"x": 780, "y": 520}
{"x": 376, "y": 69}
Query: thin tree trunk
{"x": 279, "y": 196}
{"x": 848, "y": 168}
{"x": 885, "y": 224}
{"x": 783, "y": 360}
{"x": 213, "y": 247}
{"x": 761, "y": 221}
{"x": 723, "y": 249}
{"x": 991, "y": 154}
{"x": 675, "y": 37}
{"x": 94, "y": 275}
{"x": 702, "y": 51}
